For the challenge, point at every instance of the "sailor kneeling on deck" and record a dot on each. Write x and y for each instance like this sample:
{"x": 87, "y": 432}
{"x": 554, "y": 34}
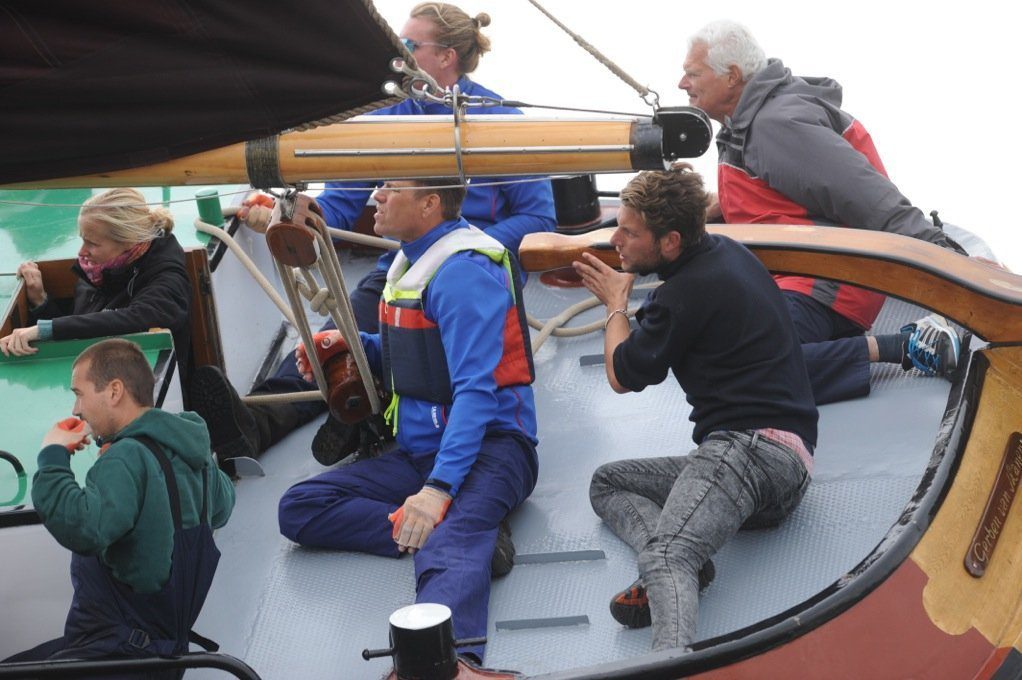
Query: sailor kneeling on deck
{"x": 721, "y": 326}
{"x": 453, "y": 348}
{"x": 143, "y": 555}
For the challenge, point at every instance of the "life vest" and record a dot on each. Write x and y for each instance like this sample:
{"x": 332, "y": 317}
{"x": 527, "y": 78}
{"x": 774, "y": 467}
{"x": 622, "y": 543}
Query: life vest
{"x": 414, "y": 361}
{"x": 745, "y": 199}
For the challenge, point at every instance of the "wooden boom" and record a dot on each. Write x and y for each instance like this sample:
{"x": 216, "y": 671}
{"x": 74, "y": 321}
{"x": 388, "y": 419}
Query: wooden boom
{"x": 979, "y": 296}
{"x": 393, "y": 147}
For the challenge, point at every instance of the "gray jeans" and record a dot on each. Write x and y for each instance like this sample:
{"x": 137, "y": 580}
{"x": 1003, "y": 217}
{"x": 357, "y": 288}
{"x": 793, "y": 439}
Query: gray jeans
{"x": 677, "y": 511}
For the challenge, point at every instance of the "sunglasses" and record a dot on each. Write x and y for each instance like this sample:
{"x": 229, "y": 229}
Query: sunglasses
{"x": 412, "y": 45}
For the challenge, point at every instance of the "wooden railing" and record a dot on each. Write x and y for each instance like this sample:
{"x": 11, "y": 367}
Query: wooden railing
{"x": 980, "y": 296}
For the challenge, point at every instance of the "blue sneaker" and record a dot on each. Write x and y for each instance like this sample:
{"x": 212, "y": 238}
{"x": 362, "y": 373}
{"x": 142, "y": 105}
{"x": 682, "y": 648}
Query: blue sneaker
{"x": 933, "y": 345}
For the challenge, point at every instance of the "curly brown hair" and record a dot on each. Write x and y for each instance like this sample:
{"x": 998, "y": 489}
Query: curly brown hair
{"x": 456, "y": 29}
{"x": 670, "y": 200}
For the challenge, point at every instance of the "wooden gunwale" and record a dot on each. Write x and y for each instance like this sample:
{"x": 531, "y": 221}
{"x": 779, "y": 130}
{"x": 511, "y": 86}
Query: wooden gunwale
{"x": 981, "y": 297}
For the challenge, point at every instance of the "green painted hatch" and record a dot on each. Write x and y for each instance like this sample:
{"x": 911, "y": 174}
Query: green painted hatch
{"x": 36, "y": 394}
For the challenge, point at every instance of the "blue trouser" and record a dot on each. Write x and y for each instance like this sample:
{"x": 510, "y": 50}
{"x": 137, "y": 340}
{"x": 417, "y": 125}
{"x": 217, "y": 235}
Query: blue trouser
{"x": 833, "y": 347}
{"x": 108, "y": 619}
{"x": 346, "y": 509}
{"x": 365, "y": 302}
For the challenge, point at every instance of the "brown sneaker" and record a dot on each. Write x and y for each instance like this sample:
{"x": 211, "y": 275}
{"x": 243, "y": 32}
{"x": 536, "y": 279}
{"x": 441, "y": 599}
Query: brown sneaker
{"x": 630, "y": 607}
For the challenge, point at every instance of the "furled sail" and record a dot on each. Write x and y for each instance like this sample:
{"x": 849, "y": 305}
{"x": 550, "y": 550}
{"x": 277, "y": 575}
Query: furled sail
{"x": 92, "y": 87}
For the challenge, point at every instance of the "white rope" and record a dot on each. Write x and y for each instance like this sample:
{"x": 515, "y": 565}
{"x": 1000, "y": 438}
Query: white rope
{"x": 555, "y": 325}
{"x": 247, "y": 262}
{"x": 282, "y": 397}
{"x": 363, "y": 239}
{"x": 287, "y": 275}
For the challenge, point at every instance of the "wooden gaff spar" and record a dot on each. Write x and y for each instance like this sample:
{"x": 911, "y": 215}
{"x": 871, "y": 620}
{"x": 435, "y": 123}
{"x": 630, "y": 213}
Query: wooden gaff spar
{"x": 398, "y": 147}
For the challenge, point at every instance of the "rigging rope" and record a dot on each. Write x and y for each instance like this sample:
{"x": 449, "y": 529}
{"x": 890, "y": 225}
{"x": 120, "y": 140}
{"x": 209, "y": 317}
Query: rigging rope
{"x": 649, "y": 96}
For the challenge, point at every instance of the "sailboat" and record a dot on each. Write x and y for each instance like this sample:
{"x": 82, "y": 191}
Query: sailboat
{"x": 901, "y": 561}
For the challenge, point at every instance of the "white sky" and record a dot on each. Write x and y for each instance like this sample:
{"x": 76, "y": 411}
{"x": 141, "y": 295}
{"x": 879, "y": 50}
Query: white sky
{"x": 933, "y": 82}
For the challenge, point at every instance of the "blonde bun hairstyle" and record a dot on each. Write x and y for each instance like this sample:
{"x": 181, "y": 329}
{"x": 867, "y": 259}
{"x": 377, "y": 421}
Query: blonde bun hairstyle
{"x": 457, "y": 30}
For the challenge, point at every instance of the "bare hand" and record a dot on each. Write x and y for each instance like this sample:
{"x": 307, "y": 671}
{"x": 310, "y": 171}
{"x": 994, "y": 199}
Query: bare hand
{"x": 33, "y": 278}
{"x": 17, "y": 343}
{"x": 609, "y": 285}
{"x": 713, "y": 211}
{"x": 414, "y": 521}
{"x": 71, "y": 433}
{"x": 255, "y": 211}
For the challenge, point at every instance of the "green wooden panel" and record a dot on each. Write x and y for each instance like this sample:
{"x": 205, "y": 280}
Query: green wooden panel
{"x": 36, "y": 393}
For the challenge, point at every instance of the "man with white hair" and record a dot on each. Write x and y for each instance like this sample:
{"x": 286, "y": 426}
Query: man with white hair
{"x": 788, "y": 154}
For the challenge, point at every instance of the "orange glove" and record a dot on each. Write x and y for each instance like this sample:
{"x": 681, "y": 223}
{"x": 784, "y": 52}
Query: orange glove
{"x": 72, "y": 424}
{"x": 425, "y": 510}
{"x": 328, "y": 345}
{"x": 70, "y": 433}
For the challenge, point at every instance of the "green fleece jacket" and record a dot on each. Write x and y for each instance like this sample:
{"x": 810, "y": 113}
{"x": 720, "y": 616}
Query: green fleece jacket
{"x": 123, "y": 513}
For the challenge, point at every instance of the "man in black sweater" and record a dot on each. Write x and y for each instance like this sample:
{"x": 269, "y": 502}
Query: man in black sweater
{"x": 720, "y": 324}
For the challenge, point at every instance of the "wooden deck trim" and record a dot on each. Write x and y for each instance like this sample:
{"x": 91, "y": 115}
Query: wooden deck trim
{"x": 981, "y": 297}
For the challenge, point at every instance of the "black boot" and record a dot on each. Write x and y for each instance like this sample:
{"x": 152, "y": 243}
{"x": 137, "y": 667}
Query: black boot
{"x": 233, "y": 431}
{"x": 504, "y": 552}
{"x": 336, "y": 441}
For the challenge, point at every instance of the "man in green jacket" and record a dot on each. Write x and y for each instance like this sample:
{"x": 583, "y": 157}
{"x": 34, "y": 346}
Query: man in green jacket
{"x": 143, "y": 556}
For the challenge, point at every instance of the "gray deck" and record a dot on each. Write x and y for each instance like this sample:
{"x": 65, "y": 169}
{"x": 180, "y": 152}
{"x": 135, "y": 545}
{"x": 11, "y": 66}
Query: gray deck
{"x": 299, "y": 613}
{"x": 293, "y": 612}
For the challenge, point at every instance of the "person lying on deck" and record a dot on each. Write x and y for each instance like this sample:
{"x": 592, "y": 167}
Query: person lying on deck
{"x": 132, "y": 277}
{"x": 447, "y": 44}
{"x": 788, "y": 154}
{"x": 721, "y": 326}
{"x": 143, "y": 555}
{"x": 465, "y": 421}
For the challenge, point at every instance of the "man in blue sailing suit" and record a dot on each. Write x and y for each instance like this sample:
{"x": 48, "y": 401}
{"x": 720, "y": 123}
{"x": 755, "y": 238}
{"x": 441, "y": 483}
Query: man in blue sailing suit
{"x": 454, "y": 350}
{"x": 447, "y": 44}
{"x": 143, "y": 555}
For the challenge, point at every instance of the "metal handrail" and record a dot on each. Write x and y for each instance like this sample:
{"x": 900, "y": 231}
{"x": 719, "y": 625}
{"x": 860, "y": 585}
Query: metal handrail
{"x": 84, "y": 668}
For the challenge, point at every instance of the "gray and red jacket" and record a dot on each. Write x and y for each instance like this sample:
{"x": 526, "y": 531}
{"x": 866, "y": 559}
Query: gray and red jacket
{"x": 790, "y": 155}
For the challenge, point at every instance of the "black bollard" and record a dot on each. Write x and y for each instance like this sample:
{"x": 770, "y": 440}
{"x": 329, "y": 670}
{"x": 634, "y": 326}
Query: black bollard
{"x": 422, "y": 639}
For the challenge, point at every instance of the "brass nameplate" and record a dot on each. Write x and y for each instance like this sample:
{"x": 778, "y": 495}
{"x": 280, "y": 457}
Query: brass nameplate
{"x": 998, "y": 506}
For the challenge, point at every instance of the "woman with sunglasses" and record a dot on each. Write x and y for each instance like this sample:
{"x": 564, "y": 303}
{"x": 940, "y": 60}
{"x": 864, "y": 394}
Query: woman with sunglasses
{"x": 447, "y": 44}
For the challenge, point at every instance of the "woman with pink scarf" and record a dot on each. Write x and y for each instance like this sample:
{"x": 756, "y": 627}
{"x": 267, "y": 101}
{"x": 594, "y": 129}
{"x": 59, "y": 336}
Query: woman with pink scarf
{"x": 132, "y": 277}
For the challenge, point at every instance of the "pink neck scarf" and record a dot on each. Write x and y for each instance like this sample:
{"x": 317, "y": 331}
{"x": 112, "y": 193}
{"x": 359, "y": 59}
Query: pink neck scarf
{"x": 95, "y": 271}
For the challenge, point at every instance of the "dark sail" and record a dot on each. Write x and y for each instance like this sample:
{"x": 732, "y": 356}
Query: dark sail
{"x": 88, "y": 87}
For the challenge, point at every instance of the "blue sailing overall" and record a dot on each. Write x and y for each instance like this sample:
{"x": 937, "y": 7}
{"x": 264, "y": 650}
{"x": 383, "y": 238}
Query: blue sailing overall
{"x": 108, "y": 619}
{"x": 346, "y": 508}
